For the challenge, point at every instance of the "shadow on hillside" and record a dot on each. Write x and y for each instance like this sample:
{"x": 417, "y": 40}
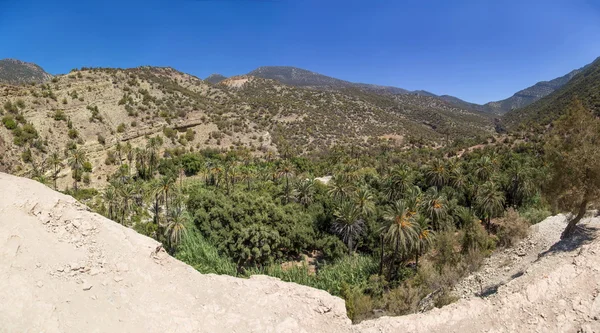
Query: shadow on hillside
{"x": 581, "y": 236}
{"x": 491, "y": 290}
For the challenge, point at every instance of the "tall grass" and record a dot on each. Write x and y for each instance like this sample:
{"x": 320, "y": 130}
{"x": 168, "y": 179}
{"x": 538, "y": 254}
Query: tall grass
{"x": 353, "y": 271}
{"x": 203, "y": 256}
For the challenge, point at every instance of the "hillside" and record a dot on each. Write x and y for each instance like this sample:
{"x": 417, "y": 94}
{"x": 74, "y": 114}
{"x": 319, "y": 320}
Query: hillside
{"x": 92, "y": 274}
{"x": 96, "y": 108}
{"x": 585, "y": 86}
{"x": 14, "y": 71}
{"x": 304, "y": 78}
{"x": 531, "y": 94}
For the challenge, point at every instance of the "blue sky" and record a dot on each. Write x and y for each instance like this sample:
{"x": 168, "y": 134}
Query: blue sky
{"x": 476, "y": 50}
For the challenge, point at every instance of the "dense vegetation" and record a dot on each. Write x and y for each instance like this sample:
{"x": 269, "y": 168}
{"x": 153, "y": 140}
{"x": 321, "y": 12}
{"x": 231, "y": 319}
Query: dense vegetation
{"x": 390, "y": 227}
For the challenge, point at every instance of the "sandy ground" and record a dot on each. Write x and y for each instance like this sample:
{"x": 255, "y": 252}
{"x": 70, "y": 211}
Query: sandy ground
{"x": 66, "y": 269}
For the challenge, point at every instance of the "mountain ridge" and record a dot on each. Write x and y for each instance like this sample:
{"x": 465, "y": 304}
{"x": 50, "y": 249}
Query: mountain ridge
{"x": 14, "y": 71}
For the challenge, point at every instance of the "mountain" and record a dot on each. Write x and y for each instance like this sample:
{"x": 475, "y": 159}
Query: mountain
{"x": 215, "y": 78}
{"x": 584, "y": 85}
{"x": 299, "y": 77}
{"x": 97, "y": 107}
{"x": 14, "y": 71}
{"x": 464, "y": 104}
{"x": 532, "y": 94}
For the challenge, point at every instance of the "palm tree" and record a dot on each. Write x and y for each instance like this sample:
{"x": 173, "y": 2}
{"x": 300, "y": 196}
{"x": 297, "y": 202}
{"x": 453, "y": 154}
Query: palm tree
{"x": 165, "y": 183}
{"x": 436, "y": 173}
{"x": 401, "y": 232}
{"x": 364, "y": 201}
{"x": 348, "y": 223}
{"x": 152, "y": 145}
{"x": 130, "y": 154}
{"x": 286, "y": 169}
{"x": 490, "y": 202}
{"x": 110, "y": 197}
{"x": 470, "y": 241}
{"x": 520, "y": 183}
{"x": 127, "y": 192}
{"x": 484, "y": 168}
{"x": 55, "y": 161}
{"x": 176, "y": 226}
{"x": 436, "y": 208}
{"x": 304, "y": 191}
{"x": 339, "y": 187}
{"x": 76, "y": 161}
{"x": 246, "y": 174}
{"x": 425, "y": 237}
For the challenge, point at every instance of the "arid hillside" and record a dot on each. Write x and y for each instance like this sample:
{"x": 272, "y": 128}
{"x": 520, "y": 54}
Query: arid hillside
{"x": 94, "y": 109}
{"x": 66, "y": 269}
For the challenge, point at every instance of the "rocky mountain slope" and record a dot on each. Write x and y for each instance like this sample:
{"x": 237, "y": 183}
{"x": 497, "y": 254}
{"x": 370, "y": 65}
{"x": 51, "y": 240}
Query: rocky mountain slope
{"x": 584, "y": 86}
{"x": 65, "y": 269}
{"x": 96, "y": 108}
{"x": 14, "y": 71}
{"x": 303, "y": 78}
{"x": 531, "y": 94}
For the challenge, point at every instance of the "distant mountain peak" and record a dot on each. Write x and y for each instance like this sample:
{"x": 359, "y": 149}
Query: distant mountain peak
{"x": 215, "y": 78}
{"x": 14, "y": 71}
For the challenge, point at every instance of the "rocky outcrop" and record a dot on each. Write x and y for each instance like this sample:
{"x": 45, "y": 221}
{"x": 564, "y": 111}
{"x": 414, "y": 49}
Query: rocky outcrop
{"x": 66, "y": 269}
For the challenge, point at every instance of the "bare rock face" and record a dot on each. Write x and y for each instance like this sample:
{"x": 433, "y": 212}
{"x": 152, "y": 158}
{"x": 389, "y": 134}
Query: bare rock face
{"x": 66, "y": 269}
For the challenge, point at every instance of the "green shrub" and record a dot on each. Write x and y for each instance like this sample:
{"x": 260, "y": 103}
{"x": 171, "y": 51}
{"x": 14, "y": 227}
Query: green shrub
{"x": 535, "y": 215}
{"x": 59, "y": 115}
{"x": 9, "y": 122}
{"x": 121, "y": 128}
{"x": 73, "y": 133}
{"x": 10, "y": 107}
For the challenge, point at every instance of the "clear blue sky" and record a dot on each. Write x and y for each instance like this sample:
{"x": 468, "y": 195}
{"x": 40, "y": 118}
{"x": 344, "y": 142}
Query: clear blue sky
{"x": 474, "y": 49}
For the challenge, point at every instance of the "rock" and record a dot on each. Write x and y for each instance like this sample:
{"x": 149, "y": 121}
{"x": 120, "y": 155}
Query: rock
{"x": 87, "y": 286}
{"x": 118, "y": 278}
{"x": 595, "y": 308}
{"x": 39, "y": 284}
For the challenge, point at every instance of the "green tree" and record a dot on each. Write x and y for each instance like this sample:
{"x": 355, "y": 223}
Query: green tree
{"x": 304, "y": 191}
{"x": 575, "y": 161}
{"x": 436, "y": 173}
{"x": 348, "y": 223}
{"x": 425, "y": 237}
{"x": 401, "y": 233}
{"x": 286, "y": 169}
{"x": 490, "y": 202}
{"x": 176, "y": 228}
{"x": 76, "y": 162}
{"x": 364, "y": 200}
{"x": 56, "y": 163}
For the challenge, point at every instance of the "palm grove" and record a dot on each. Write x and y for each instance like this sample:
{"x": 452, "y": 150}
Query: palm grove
{"x": 391, "y": 226}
